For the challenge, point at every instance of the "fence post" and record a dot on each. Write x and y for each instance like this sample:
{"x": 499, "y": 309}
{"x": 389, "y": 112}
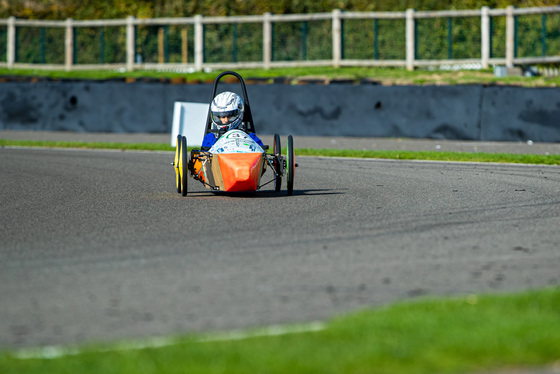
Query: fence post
{"x": 375, "y": 40}
{"x": 304, "y": 40}
{"x": 161, "y": 47}
{"x": 267, "y": 41}
{"x": 234, "y": 42}
{"x": 450, "y": 38}
{"x": 69, "y": 45}
{"x": 102, "y": 45}
{"x": 184, "y": 45}
{"x": 485, "y": 36}
{"x": 11, "y": 48}
{"x": 198, "y": 42}
{"x": 410, "y": 39}
{"x": 130, "y": 43}
{"x": 510, "y": 36}
{"x": 336, "y": 38}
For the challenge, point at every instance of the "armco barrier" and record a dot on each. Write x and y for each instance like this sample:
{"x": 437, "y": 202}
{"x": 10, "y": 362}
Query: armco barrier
{"x": 471, "y": 112}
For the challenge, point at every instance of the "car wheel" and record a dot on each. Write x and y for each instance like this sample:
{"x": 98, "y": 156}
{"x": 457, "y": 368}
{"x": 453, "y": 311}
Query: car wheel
{"x": 291, "y": 165}
{"x": 184, "y": 165}
{"x": 277, "y": 166}
{"x": 176, "y": 164}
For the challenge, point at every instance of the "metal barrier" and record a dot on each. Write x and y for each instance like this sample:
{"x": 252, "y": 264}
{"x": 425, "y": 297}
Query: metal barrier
{"x": 477, "y": 38}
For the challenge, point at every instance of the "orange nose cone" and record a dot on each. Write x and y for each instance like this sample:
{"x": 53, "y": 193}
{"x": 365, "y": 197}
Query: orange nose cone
{"x": 240, "y": 171}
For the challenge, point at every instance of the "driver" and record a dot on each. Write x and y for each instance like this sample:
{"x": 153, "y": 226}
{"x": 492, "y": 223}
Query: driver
{"x": 227, "y": 113}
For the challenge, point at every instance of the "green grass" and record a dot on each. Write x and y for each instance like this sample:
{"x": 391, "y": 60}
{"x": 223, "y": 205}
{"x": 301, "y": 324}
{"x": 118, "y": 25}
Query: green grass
{"x": 386, "y": 76}
{"x": 436, "y": 156}
{"x": 394, "y": 155}
{"x": 449, "y": 335}
{"x": 87, "y": 145}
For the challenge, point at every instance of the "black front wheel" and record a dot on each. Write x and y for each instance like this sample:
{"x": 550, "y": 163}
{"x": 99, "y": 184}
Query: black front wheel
{"x": 277, "y": 166}
{"x": 176, "y": 164}
{"x": 290, "y": 165}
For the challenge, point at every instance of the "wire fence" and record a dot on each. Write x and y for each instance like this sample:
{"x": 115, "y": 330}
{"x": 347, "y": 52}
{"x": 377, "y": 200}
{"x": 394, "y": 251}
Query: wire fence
{"x": 377, "y": 39}
{"x": 479, "y": 37}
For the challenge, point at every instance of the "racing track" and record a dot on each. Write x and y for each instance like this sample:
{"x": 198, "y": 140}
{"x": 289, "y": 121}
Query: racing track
{"x": 97, "y": 245}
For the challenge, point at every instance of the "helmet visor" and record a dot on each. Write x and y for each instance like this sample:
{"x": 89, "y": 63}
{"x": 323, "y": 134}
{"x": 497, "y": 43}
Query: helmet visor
{"x": 229, "y": 115}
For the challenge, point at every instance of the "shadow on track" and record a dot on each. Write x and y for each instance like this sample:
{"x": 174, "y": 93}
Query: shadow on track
{"x": 264, "y": 194}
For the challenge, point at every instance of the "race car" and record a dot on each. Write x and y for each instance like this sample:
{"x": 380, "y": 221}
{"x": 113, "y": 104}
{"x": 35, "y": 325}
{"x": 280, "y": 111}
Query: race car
{"x": 236, "y": 162}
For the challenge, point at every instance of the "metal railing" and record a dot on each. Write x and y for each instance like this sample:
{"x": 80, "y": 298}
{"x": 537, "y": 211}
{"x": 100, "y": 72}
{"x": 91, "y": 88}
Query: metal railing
{"x": 410, "y": 39}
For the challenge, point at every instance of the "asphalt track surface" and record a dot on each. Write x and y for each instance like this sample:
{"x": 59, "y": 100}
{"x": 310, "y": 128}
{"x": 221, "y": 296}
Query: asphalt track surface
{"x": 98, "y": 245}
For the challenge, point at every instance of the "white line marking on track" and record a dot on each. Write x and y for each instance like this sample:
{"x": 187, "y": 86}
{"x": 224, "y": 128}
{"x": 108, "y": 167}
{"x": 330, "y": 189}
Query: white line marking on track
{"x": 55, "y": 351}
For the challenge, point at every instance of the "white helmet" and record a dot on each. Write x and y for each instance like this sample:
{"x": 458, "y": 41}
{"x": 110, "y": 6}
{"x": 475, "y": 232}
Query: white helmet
{"x": 227, "y": 111}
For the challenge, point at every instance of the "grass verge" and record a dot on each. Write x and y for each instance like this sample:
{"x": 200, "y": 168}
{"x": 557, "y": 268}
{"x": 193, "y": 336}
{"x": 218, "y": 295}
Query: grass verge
{"x": 86, "y": 145}
{"x": 435, "y": 156}
{"x": 462, "y": 334}
{"x": 393, "y": 155}
{"x": 381, "y": 75}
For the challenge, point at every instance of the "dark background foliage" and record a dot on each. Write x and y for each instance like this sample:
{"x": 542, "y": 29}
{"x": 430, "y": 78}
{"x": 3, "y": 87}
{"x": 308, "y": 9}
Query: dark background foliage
{"x": 104, "y": 9}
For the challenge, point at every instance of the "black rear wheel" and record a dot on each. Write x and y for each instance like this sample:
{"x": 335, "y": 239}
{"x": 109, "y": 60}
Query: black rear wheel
{"x": 184, "y": 166}
{"x": 277, "y": 166}
{"x": 290, "y": 165}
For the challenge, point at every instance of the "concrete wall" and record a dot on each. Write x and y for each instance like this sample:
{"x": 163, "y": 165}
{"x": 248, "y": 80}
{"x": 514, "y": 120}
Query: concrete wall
{"x": 515, "y": 113}
{"x": 473, "y": 112}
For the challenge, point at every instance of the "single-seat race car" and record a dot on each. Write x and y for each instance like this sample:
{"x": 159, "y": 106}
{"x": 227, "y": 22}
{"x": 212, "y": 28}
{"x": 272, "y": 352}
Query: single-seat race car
{"x": 236, "y": 162}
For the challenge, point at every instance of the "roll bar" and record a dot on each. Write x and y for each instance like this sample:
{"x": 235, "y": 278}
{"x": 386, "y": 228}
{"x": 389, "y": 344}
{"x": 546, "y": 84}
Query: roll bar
{"x": 247, "y": 115}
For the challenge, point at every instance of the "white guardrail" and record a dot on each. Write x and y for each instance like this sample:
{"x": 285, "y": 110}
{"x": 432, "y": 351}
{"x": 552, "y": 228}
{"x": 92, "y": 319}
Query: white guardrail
{"x": 336, "y": 17}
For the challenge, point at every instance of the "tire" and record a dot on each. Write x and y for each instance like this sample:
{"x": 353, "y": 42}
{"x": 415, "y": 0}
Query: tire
{"x": 290, "y": 165}
{"x": 184, "y": 166}
{"x": 176, "y": 164}
{"x": 277, "y": 147}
